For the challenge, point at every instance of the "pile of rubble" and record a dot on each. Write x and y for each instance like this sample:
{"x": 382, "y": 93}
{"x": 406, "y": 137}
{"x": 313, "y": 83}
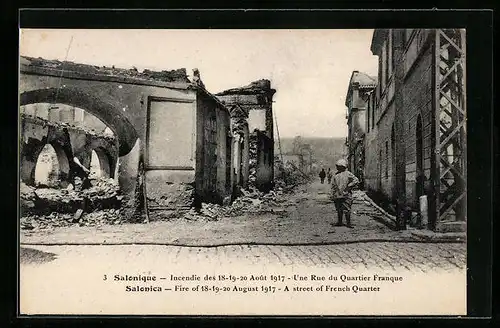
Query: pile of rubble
{"x": 256, "y": 202}
{"x": 104, "y": 193}
{"x": 49, "y": 200}
{"x": 256, "y": 87}
{"x": 251, "y": 201}
{"x": 55, "y": 220}
{"x": 288, "y": 176}
{"x": 41, "y": 207}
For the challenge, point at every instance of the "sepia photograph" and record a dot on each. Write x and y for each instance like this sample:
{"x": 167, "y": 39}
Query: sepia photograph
{"x": 242, "y": 172}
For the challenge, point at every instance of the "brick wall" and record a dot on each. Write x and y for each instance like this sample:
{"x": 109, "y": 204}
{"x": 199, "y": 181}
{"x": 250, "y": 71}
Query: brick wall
{"x": 371, "y": 160}
{"x": 384, "y": 147}
{"x": 411, "y": 97}
{"x": 379, "y": 164}
{"x": 357, "y": 128}
{"x": 417, "y": 103}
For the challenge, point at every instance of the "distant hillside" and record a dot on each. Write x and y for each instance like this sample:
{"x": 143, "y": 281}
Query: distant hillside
{"x": 326, "y": 151}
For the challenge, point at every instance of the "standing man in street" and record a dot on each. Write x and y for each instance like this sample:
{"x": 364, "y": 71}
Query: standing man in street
{"x": 343, "y": 182}
{"x": 322, "y": 175}
{"x": 329, "y": 176}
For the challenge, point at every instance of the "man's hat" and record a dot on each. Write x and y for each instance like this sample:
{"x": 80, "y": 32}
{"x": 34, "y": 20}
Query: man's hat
{"x": 341, "y": 162}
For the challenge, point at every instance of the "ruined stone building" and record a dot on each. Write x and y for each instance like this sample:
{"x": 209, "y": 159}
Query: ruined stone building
{"x": 171, "y": 138}
{"x": 360, "y": 87}
{"x": 58, "y": 133}
{"x": 256, "y": 100}
{"x": 241, "y": 146}
{"x": 415, "y": 142}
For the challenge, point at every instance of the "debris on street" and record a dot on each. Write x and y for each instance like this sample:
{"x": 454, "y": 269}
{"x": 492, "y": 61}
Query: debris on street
{"x": 56, "y": 220}
{"x": 51, "y": 207}
{"x": 253, "y": 201}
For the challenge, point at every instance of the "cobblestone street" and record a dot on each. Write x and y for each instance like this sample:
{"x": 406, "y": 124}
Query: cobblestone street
{"x": 302, "y": 243}
{"x": 305, "y": 217}
{"x": 304, "y": 237}
{"x": 415, "y": 257}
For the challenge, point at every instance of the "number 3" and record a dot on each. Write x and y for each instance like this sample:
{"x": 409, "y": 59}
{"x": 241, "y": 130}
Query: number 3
{"x": 105, "y": 277}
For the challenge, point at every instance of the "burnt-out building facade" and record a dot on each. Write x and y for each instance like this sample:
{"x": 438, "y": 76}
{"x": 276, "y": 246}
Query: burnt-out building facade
{"x": 360, "y": 87}
{"x": 172, "y": 139}
{"x": 256, "y": 99}
{"x": 415, "y": 144}
{"x": 67, "y": 132}
{"x": 240, "y": 148}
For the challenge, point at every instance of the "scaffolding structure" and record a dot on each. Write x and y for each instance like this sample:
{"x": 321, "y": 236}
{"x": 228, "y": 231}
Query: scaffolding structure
{"x": 450, "y": 168}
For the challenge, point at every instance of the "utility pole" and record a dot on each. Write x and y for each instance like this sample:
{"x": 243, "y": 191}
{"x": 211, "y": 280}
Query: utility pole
{"x": 278, "y": 135}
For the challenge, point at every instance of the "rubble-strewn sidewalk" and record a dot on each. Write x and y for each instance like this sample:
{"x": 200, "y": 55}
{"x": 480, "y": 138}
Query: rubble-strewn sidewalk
{"x": 50, "y": 208}
{"x": 251, "y": 202}
{"x": 302, "y": 217}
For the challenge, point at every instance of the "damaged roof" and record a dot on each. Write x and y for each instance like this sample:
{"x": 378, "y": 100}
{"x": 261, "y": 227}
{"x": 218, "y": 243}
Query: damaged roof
{"x": 177, "y": 79}
{"x": 257, "y": 87}
{"x": 362, "y": 81}
{"x": 178, "y": 75}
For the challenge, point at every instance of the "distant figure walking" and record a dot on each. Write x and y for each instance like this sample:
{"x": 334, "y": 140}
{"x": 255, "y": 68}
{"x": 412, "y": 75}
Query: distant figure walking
{"x": 322, "y": 175}
{"x": 343, "y": 182}
{"x": 329, "y": 176}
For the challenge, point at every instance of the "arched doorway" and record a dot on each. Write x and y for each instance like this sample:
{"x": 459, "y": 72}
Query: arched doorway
{"x": 100, "y": 164}
{"x": 51, "y": 168}
{"x": 80, "y": 108}
{"x": 419, "y": 167}
{"x": 110, "y": 114}
{"x": 76, "y": 130}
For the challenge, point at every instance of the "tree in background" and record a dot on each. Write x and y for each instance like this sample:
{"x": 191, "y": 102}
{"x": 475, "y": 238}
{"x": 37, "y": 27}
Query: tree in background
{"x": 304, "y": 152}
{"x": 297, "y": 145}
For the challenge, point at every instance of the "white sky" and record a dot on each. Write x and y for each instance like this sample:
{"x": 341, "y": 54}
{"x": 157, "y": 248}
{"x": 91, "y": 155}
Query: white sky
{"x": 310, "y": 69}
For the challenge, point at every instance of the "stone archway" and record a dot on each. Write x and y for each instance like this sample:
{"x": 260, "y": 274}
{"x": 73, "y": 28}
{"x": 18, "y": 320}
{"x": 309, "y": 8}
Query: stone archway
{"x": 100, "y": 164}
{"x": 124, "y": 144}
{"x": 111, "y": 115}
{"x": 34, "y": 138}
{"x": 51, "y": 167}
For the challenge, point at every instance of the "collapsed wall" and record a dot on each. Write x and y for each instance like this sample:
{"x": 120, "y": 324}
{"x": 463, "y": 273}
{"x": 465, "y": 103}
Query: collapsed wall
{"x": 240, "y": 152}
{"x": 50, "y": 207}
{"x": 103, "y": 194}
{"x": 256, "y": 100}
{"x": 120, "y": 98}
{"x": 57, "y": 196}
{"x": 253, "y": 153}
